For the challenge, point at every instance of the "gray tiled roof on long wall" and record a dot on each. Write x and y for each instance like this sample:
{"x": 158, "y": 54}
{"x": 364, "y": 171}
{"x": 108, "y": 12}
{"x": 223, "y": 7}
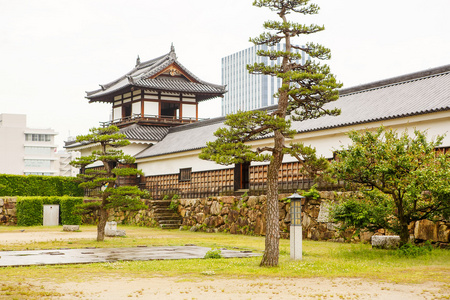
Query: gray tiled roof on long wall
{"x": 412, "y": 94}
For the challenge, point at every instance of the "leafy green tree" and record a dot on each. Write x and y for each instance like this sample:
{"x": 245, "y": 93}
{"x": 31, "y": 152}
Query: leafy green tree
{"x": 305, "y": 90}
{"x": 402, "y": 179}
{"x": 103, "y": 181}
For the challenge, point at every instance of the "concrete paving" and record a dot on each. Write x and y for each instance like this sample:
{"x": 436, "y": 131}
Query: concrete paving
{"x": 96, "y": 255}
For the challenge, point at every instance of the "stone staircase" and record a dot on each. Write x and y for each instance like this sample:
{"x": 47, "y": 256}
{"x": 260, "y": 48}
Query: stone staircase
{"x": 166, "y": 217}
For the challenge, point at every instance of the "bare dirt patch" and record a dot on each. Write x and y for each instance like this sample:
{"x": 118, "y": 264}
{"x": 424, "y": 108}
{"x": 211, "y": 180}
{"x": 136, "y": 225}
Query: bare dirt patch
{"x": 244, "y": 288}
{"x": 26, "y": 237}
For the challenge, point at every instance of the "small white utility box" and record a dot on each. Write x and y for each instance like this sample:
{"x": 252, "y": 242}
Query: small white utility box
{"x": 51, "y": 215}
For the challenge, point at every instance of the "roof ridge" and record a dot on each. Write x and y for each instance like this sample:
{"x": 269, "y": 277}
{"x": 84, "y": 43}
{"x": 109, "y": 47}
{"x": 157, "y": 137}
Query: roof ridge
{"x": 396, "y": 80}
{"x": 136, "y": 68}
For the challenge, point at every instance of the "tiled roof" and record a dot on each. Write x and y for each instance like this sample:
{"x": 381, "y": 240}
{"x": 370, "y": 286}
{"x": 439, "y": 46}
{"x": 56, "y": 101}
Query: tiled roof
{"x": 413, "y": 94}
{"x": 178, "y": 85}
{"x": 145, "y": 133}
{"x": 140, "y": 74}
{"x": 387, "y": 99}
{"x": 135, "y": 132}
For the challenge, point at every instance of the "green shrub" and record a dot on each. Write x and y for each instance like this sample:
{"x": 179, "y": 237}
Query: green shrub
{"x": 68, "y": 208}
{"x": 29, "y": 211}
{"x": 410, "y": 250}
{"x": 312, "y": 193}
{"x": 32, "y": 185}
{"x": 174, "y": 203}
{"x": 213, "y": 253}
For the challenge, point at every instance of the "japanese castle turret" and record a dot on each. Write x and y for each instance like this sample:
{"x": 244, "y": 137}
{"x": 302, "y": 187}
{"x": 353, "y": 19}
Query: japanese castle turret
{"x": 146, "y": 102}
{"x": 159, "y": 92}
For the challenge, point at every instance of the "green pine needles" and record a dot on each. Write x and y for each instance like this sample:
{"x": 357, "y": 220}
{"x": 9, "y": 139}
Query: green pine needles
{"x": 103, "y": 181}
{"x": 306, "y": 88}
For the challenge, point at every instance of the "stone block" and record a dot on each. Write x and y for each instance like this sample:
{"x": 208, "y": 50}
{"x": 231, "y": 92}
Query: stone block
{"x": 332, "y": 226}
{"x": 324, "y": 212}
{"x": 71, "y": 227}
{"x": 366, "y": 236}
{"x": 385, "y": 241}
{"x": 2, "y": 202}
{"x": 111, "y": 230}
{"x": 252, "y": 214}
{"x": 444, "y": 234}
{"x": 215, "y": 208}
{"x": 252, "y": 201}
{"x": 225, "y": 210}
{"x": 425, "y": 230}
{"x": 228, "y": 199}
{"x": 115, "y": 233}
{"x": 260, "y": 226}
{"x": 200, "y": 217}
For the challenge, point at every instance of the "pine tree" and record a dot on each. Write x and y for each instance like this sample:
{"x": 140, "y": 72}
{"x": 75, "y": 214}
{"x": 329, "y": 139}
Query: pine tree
{"x": 103, "y": 181}
{"x": 306, "y": 88}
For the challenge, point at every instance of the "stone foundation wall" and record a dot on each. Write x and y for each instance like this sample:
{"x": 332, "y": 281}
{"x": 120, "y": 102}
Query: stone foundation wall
{"x": 245, "y": 215}
{"x": 139, "y": 218}
{"x": 8, "y": 211}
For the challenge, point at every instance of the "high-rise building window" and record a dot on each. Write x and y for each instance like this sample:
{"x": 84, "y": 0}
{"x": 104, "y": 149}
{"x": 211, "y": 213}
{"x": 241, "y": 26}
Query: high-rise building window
{"x": 34, "y": 137}
{"x": 247, "y": 91}
{"x": 37, "y": 163}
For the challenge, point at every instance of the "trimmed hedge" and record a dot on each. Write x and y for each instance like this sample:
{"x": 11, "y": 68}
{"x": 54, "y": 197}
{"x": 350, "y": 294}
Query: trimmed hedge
{"x": 30, "y": 210}
{"x": 33, "y": 185}
{"x": 67, "y": 205}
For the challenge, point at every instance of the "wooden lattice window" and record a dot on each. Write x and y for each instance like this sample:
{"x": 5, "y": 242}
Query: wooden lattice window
{"x": 185, "y": 174}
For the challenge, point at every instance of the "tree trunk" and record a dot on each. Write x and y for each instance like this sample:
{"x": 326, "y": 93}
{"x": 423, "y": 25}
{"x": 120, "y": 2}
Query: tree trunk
{"x": 272, "y": 241}
{"x": 101, "y": 224}
{"x": 404, "y": 233}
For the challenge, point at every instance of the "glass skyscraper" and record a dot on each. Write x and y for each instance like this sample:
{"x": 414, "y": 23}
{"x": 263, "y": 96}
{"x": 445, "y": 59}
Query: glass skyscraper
{"x": 247, "y": 91}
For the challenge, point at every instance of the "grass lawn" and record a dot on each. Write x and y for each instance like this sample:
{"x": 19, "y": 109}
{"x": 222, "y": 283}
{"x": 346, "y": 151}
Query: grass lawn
{"x": 320, "y": 259}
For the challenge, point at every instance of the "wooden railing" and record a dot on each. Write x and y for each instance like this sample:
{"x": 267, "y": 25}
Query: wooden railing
{"x": 138, "y": 118}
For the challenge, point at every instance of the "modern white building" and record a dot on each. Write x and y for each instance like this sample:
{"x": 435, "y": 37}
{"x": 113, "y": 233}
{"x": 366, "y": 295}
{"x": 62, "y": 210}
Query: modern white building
{"x": 26, "y": 151}
{"x": 248, "y": 91}
{"x": 65, "y": 168}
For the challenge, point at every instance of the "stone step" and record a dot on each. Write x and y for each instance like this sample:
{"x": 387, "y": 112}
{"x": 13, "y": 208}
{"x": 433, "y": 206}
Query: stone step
{"x": 167, "y": 220}
{"x": 163, "y": 210}
{"x": 160, "y": 202}
{"x": 169, "y": 226}
{"x": 170, "y": 222}
{"x": 166, "y": 217}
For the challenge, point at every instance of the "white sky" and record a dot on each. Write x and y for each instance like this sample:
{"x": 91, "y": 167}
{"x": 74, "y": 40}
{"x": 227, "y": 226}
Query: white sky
{"x": 52, "y": 51}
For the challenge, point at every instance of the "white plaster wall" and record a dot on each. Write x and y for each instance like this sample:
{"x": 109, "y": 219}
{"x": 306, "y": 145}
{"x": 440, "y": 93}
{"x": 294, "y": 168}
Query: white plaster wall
{"x": 136, "y": 108}
{"x": 117, "y": 113}
{"x": 151, "y": 108}
{"x": 171, "y": 164}
{"x": 189, "y": 111}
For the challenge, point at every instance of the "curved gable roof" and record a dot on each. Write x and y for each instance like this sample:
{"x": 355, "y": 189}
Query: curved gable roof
{"x": 144, "y": 74}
